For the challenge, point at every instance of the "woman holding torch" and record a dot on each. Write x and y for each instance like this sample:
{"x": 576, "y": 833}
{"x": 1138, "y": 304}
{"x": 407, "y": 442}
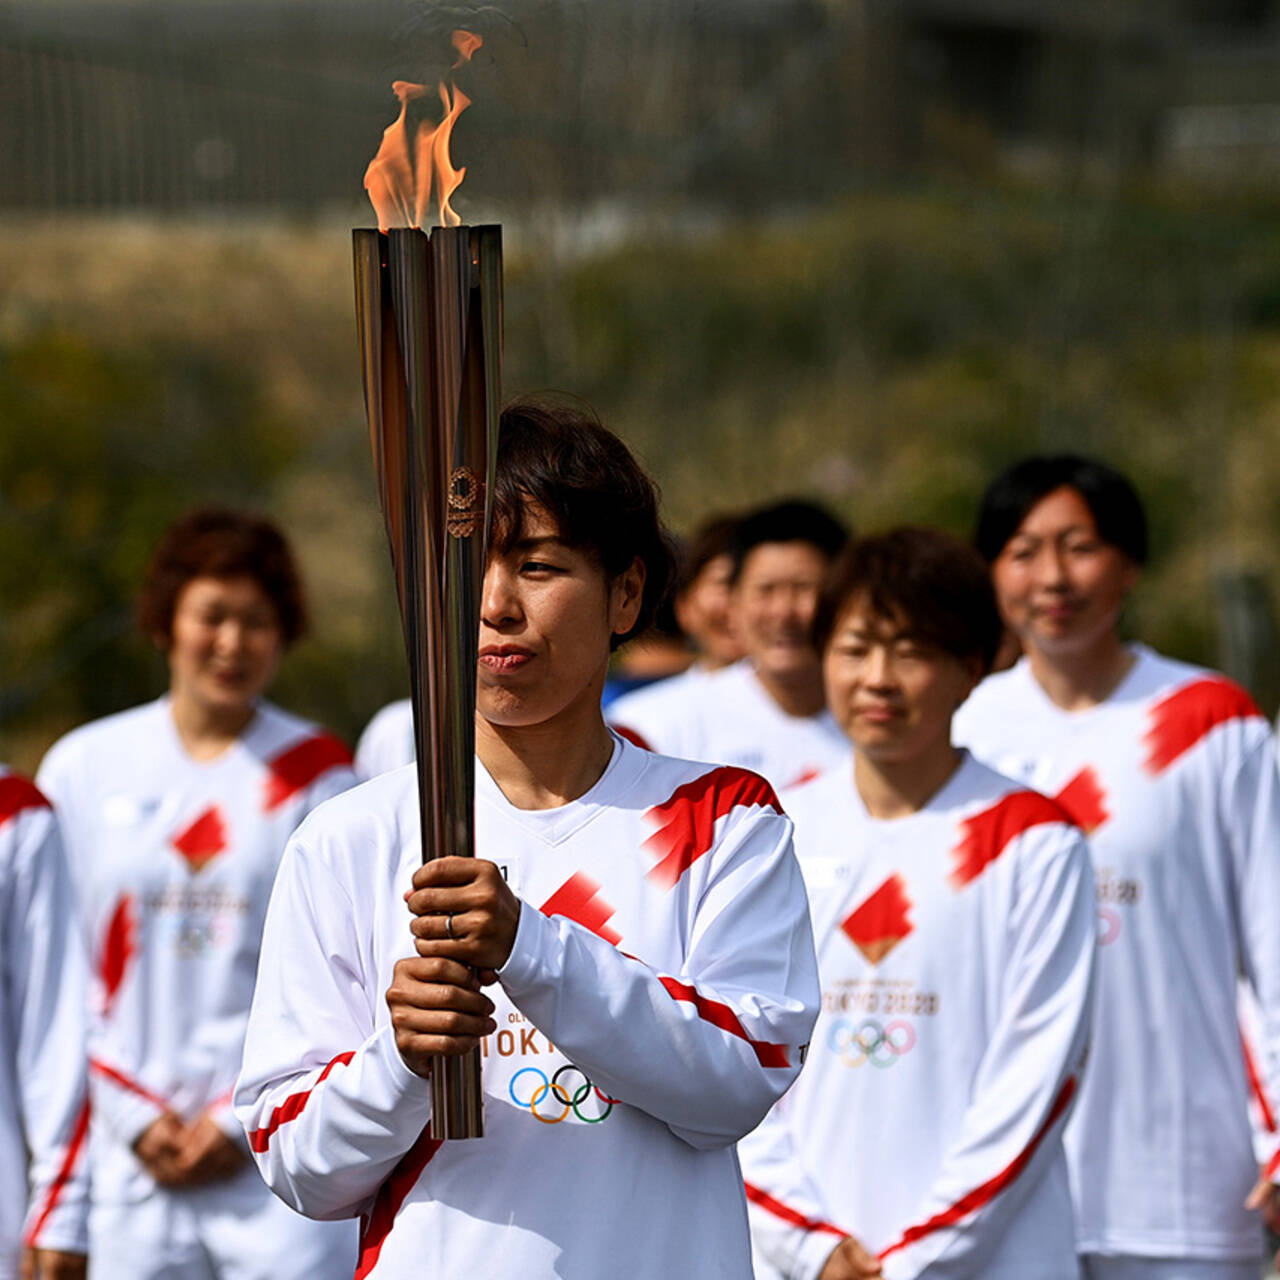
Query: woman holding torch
{"x": 631, "y": 947}
{"x": 175, "y": 815}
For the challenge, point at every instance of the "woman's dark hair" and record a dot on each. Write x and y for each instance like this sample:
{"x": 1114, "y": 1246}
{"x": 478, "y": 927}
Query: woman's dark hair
{"x": 213, "y": 542}
{"x": 556, "y": 453}
{"x": 1112, "y": 500}
{"x": 712, "y": 538}
{"x": 794, "y": 520}
{"x": 925, "y": 580}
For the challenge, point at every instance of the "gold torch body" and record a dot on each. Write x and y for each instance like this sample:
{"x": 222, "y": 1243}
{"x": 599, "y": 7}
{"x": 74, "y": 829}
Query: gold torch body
{"x": 429, "y": 315}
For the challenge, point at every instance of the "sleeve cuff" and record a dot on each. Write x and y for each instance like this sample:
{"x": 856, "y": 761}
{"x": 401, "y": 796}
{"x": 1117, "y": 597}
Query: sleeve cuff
{"x": 404, "y": 1084}
{"x": 812, "y": 1255}
{"x": 126, "y": 1116}
{"x": 525, "y": 960}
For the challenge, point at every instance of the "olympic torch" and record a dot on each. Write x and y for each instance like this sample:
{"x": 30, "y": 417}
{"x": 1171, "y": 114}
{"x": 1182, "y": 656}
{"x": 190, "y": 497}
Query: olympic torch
{"x": 429, "y": 317}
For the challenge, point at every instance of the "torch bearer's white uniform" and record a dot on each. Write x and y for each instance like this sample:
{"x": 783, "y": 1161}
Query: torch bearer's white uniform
{"x": 956, "y": 950}
{"x": 660, "y": 990}
{"x": 172, "y": 862}
{"x": 1174, "y": 778}
{"x": 43, "y": 1104}
{"x": 728, "y": 717}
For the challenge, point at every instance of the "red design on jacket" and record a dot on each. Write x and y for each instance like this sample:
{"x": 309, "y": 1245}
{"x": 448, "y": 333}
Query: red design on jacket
{"x": 989, "y": 833}
{"x": 119, "y": 946}
{"x": 1179, "y": 721}
{"x": 18, "y": 793}
{"x": 579, "y": 900}
{"x": 203, "y": 840}
{"x": 1085, "y": 800}
{"x": 297, "y": 768}
{"x": 686, "y": 822}
{"x": 881, "y": 922}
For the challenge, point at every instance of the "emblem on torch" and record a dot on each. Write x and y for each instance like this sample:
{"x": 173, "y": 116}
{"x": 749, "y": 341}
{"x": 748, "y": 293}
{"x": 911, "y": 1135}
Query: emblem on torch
{"x": 429, "y": 315}
{"x": 466, "y": 503}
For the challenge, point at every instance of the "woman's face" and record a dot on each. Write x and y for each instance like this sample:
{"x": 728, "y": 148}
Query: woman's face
{"x": 891, "y": 691}
{"x": 548, "y": 612}
{"x": 702, "y": 610}
{"x": 1059, "y": 586}
{"x": 226, "y": 643}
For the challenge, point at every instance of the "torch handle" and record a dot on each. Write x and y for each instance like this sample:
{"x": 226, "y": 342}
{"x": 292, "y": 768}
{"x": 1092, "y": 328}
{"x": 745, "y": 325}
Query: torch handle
{"x": 430, "y": 312}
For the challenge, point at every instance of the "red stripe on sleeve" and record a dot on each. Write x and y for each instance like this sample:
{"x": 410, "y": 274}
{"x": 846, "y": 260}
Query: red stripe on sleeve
{"x": 988, "y": 834}
{"x": 988, "y": 1191}
{"x": 116, "y": 1076}
{"x": 296, "y": 769}
{"x": 1179, "y": 721}
{"x": 720, "y": 1015}
{"x": 686, "y": 822}
{"x": 292, "y": 1107}
{"x": 119, "y": 947}
{"x": 18, "y": 793}
{"x": 1255, "y": 1085}
{"x": 788, "y": 1214}
{"x": 1273, "y": 1167}
{"x": 65, "y": 1170}
{"x": 391, "y": 1195}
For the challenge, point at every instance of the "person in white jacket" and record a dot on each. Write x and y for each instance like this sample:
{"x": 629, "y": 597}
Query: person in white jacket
{"x": 44, "y": 1106}
{"x": 638, "y": 923}
{"x": 953, "y": 913}
{"x": 765, "y": 712}
{"x": 175, "y": 815}
{"x": 1172, "y": 771}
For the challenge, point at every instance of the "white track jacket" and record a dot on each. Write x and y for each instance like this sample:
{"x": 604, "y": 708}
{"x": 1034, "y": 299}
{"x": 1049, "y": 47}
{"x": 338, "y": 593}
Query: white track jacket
{"x": 44, "y": 1114}
{"x": 173, "y": 862}
{"x": 1174, "y": 778}
{"x": 656, "y": 1003}
{"x": 956, "y": 951}
{"x": 727, "y": 717}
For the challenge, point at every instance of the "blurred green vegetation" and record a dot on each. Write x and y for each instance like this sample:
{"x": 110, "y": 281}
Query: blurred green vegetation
{"x": 886, "y": 354}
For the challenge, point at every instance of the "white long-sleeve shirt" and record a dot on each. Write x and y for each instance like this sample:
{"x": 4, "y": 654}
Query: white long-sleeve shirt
{"x": 387, "y": 740}
{"x": 1174, "y": 777}
{"x": 44, "y": 1111}
{"x": 956, "y": 951}
{"x": 727, "y": 716}
{"x": 656, "y": 1002}
{"x": 173, "y": 861}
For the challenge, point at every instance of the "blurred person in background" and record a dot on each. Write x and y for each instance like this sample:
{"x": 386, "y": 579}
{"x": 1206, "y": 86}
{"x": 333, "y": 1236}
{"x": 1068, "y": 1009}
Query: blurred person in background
{"x": 658, "y": 657}
{"x": 175, "y": 815}
{"x": 766, "y": 712}
{"x": 700, "y": 610}
{"x": 1170, "y": 770}
{"x": 954, "y": 920}
{"x": 44, "y": 1110}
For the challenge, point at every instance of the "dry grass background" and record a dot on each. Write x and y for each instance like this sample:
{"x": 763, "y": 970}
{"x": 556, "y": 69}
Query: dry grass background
{"x": 886, "y": 354}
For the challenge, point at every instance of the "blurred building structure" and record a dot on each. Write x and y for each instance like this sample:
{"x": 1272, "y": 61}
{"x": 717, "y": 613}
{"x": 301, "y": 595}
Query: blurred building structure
{"x": 186, "y": 104}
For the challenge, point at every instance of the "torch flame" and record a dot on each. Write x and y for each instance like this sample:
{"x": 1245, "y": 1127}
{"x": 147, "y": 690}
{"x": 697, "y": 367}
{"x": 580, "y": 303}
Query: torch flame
{"x": 400, "y": 177}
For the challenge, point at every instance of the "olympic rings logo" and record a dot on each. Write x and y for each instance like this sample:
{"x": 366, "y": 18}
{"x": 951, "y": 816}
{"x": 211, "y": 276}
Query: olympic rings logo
{"x": 551, "y": 1101}
{"x": 868, "y": 1041}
